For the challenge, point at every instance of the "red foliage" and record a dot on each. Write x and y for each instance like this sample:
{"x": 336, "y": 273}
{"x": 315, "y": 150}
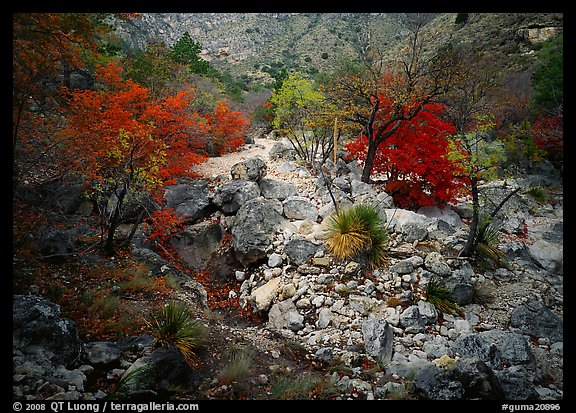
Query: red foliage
{"x": 226, "y": 128}
{"x": 549, "y": 137}
{"x": 415, "y": 160}
{"x": 122, "y": 134}
{"x": 164, "y": 223}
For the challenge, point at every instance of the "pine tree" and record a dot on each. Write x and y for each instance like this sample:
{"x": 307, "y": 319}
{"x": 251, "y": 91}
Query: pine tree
{"x": 187, "y": 51}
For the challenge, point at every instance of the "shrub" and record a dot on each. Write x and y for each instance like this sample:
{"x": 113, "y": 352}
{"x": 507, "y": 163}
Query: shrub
{"x": 461, "y": 18}
{"x": 538, "y": 193}
{"x": 358, "y": 232}
{"x": 171, "y": 327}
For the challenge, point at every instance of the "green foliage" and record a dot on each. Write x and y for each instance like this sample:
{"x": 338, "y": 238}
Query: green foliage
{"x": 461, "y": 18}
{"x": 187, "y": 51}
{"x": 538, "y": 193}
{"x": 520, "y": 144}
{"x": 234, "y": 86}
{"x": 290, "y": 101}
{"x": 134, "y": 378}
{"x": 358, "y": 232}
{"x": 171, "y": 327}
{"x": 548, "y": 79}
{"x": 152, "y": 68}
{"x": 441, "y": 297}
{"x": 487, "y": 240}
{"x": 302, "y": 113}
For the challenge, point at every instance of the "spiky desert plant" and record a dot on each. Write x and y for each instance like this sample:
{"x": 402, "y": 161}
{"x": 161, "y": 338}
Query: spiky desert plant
{"x": 488, "y": 238}
{"x": 357, "y": 231}
{"x": 441, "y": 297}
{"x": 347, "y": 235}
{"x": 376, "y": 250}
{"x": 132, "y": 378}
{"x": 171, "y": 327}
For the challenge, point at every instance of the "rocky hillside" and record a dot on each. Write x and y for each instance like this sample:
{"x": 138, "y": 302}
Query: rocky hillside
{"x": 250, "y": 43}
{"x": 317, "y": 327}
{"x": 279, "y": 315}
{"x": 253, "y": 44}
{"x": 510, "y": 38}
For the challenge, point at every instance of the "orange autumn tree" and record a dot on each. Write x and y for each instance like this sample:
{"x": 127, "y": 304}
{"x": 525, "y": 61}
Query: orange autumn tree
{"x": 127, "y": 145}
{"x": 46, "y": 49}
{"x": 226, "y": 128}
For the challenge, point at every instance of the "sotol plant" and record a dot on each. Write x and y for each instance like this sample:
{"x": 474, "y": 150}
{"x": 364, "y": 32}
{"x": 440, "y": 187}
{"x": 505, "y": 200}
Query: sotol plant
{"x": 171, "y": 327}
{"x": 440, "y": 297}
{"x": 357, "y": 232}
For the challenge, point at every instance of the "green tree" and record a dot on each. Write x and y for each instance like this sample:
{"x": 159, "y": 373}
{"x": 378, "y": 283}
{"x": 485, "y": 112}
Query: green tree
{"x": 304, "y": 115}
{"x": 279, "y": 77}
{"x": 548, "y": 79}
{"x": 152, "y": 68}
{"x": 187, "y": 51}
{"x": 461, "y": 18}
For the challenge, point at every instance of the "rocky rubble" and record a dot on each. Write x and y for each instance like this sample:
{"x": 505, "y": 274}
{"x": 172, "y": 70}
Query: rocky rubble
{"x": 509, "y": 346}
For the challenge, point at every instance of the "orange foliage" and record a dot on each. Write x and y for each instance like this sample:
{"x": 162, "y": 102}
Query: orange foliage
{"x": 119, "y": 134}
{"x": 226, "y": 128}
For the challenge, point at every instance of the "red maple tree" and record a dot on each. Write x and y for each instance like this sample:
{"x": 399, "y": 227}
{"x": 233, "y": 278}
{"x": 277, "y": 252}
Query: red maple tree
{"x": 46, "y": 49}
{"x": 415, "y": 160}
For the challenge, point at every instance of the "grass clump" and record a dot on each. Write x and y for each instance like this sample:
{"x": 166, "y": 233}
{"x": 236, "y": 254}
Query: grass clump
{"x": 239, "y": 364}
{"x": 358, "y": 233}
{"x": 302, "y": 387}
{"x": 441, "y": 297}
{"x": 171, "y": 327}
{"x": 488, "y": 238}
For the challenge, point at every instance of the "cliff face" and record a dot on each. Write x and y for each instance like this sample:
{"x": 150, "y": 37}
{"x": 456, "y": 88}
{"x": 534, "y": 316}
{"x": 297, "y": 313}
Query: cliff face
{"x": 250, "y": 41}
{"x": 252, "y": 45}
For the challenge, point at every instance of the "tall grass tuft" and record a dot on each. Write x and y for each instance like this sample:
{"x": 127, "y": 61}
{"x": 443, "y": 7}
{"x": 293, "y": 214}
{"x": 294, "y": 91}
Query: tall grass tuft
{"x": 302, "y": 387}
{"x": 357, "y": 232}
{"x": 488, "y": 238}
{"x": 440, "y": 297}
{"x": 171, "y": 327}
{"x": 239, "y": 365}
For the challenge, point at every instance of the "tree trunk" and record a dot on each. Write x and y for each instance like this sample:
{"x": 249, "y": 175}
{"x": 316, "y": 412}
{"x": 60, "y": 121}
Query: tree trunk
{"x": 366, "y": 172}
{"x": 114, "y": 222}
{"x": 477, "y": 233}
{"x": 472, "y": 239}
